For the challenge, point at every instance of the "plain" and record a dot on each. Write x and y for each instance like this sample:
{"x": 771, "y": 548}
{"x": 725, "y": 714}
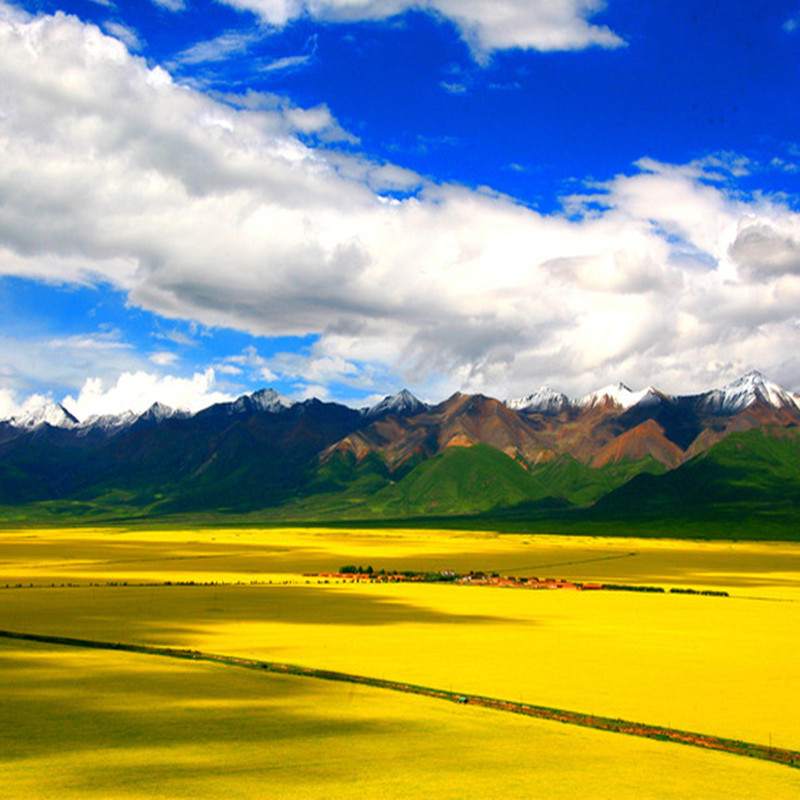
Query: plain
{"x": 723, "y": 665}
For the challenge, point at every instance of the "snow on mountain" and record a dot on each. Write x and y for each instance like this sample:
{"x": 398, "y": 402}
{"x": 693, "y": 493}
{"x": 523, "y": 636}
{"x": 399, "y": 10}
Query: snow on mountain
{"x": 619, "y": 394}
{"x": 107, "y": 422}
{"x": 651, "y": 397}
{"x": 730, "y": 399}
{"x": 401, "y": 403}
{"x": 543, "y": 401}
{"x": 745, "y": 391}
{"x": 111, "y": 424}
{"x": 53, "y": 414}
{"x": 158, "y": 412}
{"x": 263, "y": 400}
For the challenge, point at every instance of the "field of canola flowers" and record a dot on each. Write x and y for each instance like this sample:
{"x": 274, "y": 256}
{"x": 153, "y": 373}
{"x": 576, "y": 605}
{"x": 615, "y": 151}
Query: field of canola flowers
{"x": 722, "y": 666}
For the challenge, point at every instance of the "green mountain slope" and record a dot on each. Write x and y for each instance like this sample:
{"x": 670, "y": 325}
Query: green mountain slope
{"x": 754, "y": 471}
{"x": 232, "y": 462}
{"x": 565, "y": 477}
{"x": 458, "y": 480}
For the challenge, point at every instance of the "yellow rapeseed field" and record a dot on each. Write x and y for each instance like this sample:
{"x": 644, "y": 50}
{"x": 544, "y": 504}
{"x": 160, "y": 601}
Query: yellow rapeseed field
{"x": 88, "y": 724}
{"x": 723, "y": 665}
{"x": 80, "y": 555}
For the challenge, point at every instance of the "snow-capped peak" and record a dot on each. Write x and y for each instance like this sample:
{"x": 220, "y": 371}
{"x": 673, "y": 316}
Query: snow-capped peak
{"x": 108, "y": 422}
{"x": 543, "y": 401}
{"x": 744, "y": 391}
{"x": 401, "y": 403}
{"x": 620, "y": 395}
{"x": 158, "y": 412}
{"x": 53, "y": 414}
{"x": 263, "y": 400}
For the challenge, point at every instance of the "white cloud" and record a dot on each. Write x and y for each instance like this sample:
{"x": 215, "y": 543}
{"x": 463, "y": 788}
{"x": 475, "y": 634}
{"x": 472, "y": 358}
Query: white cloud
{"x": 528, "y": 24}
{"x": 20, "y": 255}
{"x": 311, "y": 391}
{"x": 486, "y": 26}
{"x": 768, "y": 247}
{"x": 177, "y": 337}
{"x": 316, "y": 121}
{"x": 229, "y": 369}
{"x": 226, "y": 215}
{"x": 10, "y": 407}
{"x": 8, "y": 404}
{"x": 453, "y": 88}
{"x": 125, "y": 34}
{"x": 221, "y": 47}
{"x": 317, "y": 368}
{"x": 289, "y": 62}
{"x": 170, "y": 5}
{"x": 137, "y": 391}
{"x": 35, "y": 362}
{"x": 164, "y": 358}
{"x": 250, "y": 360}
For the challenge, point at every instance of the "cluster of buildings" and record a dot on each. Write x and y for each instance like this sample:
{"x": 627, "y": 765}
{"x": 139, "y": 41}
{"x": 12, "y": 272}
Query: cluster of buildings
{"x": 450, "y": 576}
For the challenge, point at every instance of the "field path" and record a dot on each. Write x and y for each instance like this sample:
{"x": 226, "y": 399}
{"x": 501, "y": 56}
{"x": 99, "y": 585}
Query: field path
{"x": 594, "y": 559}
{"x": 789, "y": 758}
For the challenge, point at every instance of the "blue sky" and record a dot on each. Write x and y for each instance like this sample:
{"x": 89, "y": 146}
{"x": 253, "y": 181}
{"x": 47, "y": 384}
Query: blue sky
{"x": 199, "y": 198}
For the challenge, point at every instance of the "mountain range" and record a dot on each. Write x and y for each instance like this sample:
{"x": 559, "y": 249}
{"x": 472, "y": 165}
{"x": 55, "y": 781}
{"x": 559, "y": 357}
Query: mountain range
{"x": 613, "y": 453}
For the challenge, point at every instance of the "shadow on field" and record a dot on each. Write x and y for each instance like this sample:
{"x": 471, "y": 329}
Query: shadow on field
{"x": 62, "y": 560}
{"x": 71, "y": 704}
{"x": 170, "y": 614}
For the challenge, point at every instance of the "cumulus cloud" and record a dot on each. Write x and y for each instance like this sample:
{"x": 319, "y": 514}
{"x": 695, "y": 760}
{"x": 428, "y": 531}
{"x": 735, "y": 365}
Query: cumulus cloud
{"x": 8, "y": 404}
{"x": 499, "y": 25}
{"x": 137, "y": 391}
{"x": 768, "y": 247}
{"x": 315, "y": 122}
{"x": 243, "y": 215}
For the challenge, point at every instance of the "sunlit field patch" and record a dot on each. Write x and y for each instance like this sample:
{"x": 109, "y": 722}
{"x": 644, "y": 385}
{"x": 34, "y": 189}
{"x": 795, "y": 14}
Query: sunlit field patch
{"x": 723, "y": 665}
{"x": 83, "y": 555}
{"x": 79, "y": 724}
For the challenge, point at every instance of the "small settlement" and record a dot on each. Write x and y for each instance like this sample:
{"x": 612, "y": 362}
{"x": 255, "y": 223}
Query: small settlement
{"x": 369, "y": 575}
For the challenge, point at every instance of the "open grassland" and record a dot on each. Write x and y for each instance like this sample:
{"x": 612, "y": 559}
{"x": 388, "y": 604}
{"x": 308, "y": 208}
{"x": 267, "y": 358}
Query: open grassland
{"x": 116, "y": 725}
{"x": 726, "y": 666}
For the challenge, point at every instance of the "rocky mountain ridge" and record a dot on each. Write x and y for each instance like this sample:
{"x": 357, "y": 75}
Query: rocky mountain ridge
{"x": 264, "y": 451}
{"x": 732, "y": 398}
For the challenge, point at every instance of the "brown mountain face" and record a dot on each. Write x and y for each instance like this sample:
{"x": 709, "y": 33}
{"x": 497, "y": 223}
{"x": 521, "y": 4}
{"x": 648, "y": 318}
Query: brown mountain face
{"x": 484, "y": 419}
{"x": 262, "y": 450}
{"x": 580, "y": 432}
{"x": 644, "y": 440}
{"x": 457, "y": 422}
{"x": 602, "y": 433}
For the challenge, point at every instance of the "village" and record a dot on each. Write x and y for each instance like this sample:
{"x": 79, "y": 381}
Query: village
{"x": 369, "y": 575}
